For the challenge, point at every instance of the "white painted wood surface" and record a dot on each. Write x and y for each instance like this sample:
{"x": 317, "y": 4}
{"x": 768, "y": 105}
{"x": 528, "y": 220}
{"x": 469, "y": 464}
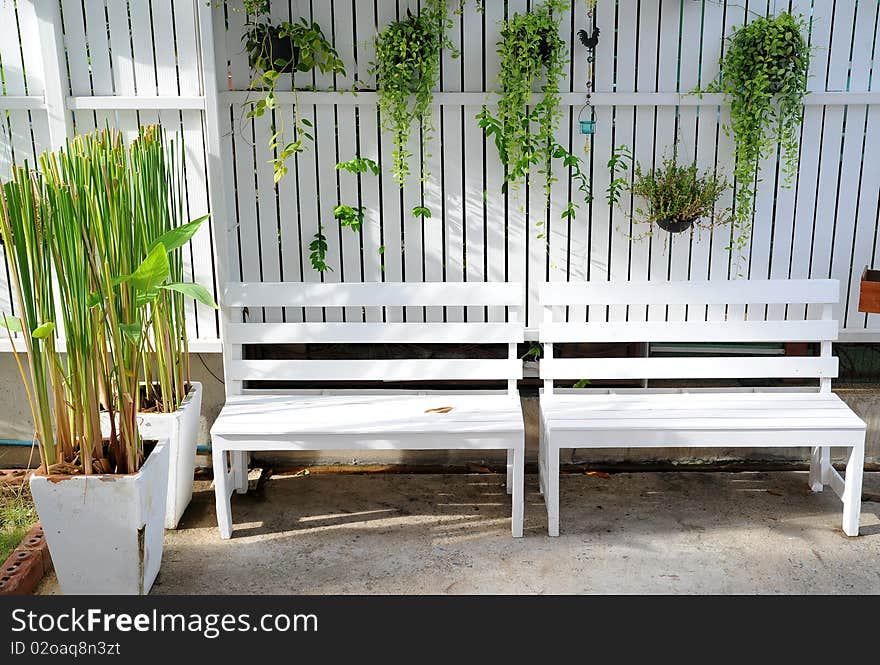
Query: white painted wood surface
{"x": 706, "y": 417}
{"x": 256, "y": 417}
{"x": 147, "y": 65}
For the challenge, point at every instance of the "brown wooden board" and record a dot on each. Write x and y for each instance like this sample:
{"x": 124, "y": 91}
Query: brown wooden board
{"x": 869, "y": 291}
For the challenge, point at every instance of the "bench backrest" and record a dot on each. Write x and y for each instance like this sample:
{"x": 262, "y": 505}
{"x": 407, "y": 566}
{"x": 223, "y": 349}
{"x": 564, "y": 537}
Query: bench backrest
{"x": 555, "y": 296}
{"x": 239, "y": 331}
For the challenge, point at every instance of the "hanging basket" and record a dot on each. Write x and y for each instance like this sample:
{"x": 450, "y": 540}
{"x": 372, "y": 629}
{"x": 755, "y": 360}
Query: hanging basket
{"x": 675, "y": 225}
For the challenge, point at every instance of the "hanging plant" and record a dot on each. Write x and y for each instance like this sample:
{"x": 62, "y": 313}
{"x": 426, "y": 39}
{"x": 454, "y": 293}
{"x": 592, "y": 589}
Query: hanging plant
{"x": 531, "y": 52}
{"x": 764, "y": 80}
{"x": 277, "y": 49}
{"x": 678, "y": 197}
{"x": 407, "y": 69}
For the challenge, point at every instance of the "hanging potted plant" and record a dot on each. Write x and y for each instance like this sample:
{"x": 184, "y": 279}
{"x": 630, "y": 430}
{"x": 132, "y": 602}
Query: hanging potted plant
{"x": 532, "y": 53}
{"x": 101, "y": 499}
{"x": 275, "y": 49}
{"x": 407, "y": 69}
{"x": 170, "y": 402}
{"x": 763, "y": 75}
{"x": 676, "y": 197}
{"x": 269, "y": 46}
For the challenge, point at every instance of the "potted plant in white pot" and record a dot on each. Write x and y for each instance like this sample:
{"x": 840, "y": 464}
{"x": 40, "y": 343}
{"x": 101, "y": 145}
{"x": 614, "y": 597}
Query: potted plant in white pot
{"x": 170, "y": 402}
{"x": 101, "y": 499}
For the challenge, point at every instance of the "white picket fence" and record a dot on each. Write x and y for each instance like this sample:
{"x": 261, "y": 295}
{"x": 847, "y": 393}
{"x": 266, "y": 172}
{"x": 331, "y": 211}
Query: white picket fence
{"x": 75, "y": 65}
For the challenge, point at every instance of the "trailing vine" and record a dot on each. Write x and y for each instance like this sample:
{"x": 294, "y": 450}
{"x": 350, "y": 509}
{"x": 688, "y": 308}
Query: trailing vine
{"x": 531, "y": 51}
{"x": 764, "y": 79}
{"x": 351, "y": 216}
{"x": 407, "y": 69}
{"x": 277, "y": 49}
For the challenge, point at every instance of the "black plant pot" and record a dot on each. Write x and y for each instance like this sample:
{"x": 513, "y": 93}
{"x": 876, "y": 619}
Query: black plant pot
{"x": 675, "y": 225}
{"x": 266, "y": 43}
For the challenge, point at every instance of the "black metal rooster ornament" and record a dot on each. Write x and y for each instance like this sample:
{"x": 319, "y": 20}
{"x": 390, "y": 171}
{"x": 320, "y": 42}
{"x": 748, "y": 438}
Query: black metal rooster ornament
{"x": 590, "y": 41}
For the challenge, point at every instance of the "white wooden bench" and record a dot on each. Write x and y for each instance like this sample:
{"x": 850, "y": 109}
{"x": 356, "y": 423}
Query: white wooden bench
{"x": 383, "y": 419}
{"x": 712, "y": 417}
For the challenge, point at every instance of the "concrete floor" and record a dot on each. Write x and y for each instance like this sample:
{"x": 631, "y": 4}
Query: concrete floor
{"x": 739, "y": 533}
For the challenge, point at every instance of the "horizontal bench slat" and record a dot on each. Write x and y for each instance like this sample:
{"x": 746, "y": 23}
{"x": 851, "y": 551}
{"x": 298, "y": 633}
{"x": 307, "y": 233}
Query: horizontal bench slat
{"x": 371, "y": 294}
{"x": 714, "y": 292}
{"x": 688, "y": 368}
{"x": 577, "y": 408}
{"x": 374, "y": 370}
{"x": 373, "y": 333}
{"x": 676, "y": 415}
{"x": 709, "y": 424}
{"x": 696, "y": 331}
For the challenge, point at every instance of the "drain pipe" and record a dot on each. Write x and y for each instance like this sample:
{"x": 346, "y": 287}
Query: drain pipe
{"x": 23, "y": 442}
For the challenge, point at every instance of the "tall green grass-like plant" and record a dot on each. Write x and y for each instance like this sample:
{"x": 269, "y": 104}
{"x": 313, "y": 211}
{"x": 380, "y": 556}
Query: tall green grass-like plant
{"x": 103, "y": 293}
{"x": 101, "y": 221}
{"x": 158, "y": 208}
{"x": 27, "y": 239}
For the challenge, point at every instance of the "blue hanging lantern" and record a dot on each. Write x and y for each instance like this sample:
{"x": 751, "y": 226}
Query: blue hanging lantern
{"x": 588, "y": 126}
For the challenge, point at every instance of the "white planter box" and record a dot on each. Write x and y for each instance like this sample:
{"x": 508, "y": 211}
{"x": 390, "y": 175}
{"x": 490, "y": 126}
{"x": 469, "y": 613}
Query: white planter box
{"x": 181, "y": 429}
{"x": 105, "y": 532}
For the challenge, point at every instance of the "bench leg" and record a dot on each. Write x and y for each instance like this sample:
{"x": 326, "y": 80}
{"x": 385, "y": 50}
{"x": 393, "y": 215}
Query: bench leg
{"x": 510, "y": 471}
{"x": 516, "y": 485}
{"x": 551, "y": 489}
{"x": 819, "y": 461}
{"x": 240, "y": 470}
{"x": 542, "y": 470}
{"x": 852, "y": 490}
{"x": 222, "y": 492}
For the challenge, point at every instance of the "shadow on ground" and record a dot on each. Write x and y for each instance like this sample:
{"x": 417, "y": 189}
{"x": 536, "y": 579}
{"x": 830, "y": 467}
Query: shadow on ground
{"x": 629, "y": 533}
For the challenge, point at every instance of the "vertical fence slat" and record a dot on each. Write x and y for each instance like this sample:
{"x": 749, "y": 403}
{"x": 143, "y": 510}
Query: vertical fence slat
{"x": 722, "y": 265}
{"x": 341, "y": 30}
{"x": 516, "y": 207}
{"x": 623, "y": 132}
{"x": 664, "y": 141}
{"x": 820, "y": 36}
{"x": 708, "y": 130}
{"x": 365, "y": 25}
{"x": 450, "y": 132}
{"x": 600, "y": 220}
{"x": 679, "y": 245}
{"x": 832, "y": 145}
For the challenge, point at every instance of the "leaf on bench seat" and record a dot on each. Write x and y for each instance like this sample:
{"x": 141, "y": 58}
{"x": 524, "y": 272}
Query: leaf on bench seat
{"x": 440, "y": 409}
{"x": 598, "y": 474}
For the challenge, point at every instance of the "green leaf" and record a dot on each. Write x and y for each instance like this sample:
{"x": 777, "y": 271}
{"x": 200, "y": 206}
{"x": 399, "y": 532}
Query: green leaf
{"x": 43, "y": 330}
{"x": 12, "y": 323}
{"x": 152, "y": 271}
{"x": 180, "y": 236}
{"x": 132, "y": 331}
{"x": 194, "y": 291}
{"x": 145, "y": 297}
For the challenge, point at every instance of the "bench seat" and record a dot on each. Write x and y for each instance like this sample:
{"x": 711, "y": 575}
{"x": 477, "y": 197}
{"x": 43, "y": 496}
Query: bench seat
{"x": 707, "y": 419}
{"x": 319, "y": 421}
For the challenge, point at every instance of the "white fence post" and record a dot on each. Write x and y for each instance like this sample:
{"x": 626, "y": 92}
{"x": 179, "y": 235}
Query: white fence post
{"x": 54, "y": 72}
